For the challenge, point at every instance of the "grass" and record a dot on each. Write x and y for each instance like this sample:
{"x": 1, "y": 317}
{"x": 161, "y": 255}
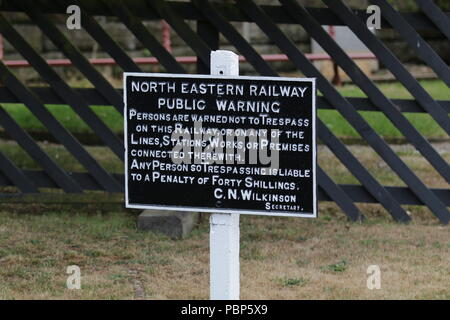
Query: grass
{"x": 66, "y": 116}
{"x": 281, "y": 258}
{"x": 293, "y": 282}
{"x": 423, "y": 122}
{"x": 435, "y": 88}
{"x": 251, "y": 251}
{"x": 341, "y": 266}
{"x": 295, "y": 258}
{"x": 60, "y": 154}
{"x": 326, "y": 159}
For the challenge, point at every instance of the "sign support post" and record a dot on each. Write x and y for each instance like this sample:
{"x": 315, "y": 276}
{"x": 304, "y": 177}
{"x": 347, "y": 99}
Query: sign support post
{"x": 224, "y": 227}
{"x": 250, "y": 117}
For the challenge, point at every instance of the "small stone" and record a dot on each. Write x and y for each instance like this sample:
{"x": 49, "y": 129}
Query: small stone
{"x": 174, "y": 224}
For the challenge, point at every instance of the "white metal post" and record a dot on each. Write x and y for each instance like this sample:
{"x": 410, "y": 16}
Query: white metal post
{"x": 224, "y": 228}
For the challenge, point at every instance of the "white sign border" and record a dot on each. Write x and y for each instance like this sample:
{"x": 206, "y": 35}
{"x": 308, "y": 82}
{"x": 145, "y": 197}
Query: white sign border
{"x": 215, "y": 210}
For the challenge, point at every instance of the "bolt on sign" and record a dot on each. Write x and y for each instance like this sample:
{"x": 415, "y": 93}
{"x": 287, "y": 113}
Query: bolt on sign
{"x": 231, "y": 144}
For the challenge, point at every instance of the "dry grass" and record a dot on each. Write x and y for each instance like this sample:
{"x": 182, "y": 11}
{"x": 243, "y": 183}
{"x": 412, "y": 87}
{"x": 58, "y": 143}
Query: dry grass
{"x": 380, "y": 170}
{"x": 327, "y": 160}
{"x": 281, "y": 258}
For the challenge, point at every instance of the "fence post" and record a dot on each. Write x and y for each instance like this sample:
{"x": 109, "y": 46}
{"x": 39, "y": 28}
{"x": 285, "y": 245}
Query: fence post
{"x": 224, "y": 227}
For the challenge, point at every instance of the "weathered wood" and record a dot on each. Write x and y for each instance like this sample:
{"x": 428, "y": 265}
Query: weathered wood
{"x": 212, "y": 19}
{"x": 370, "y": 89}
{"x": 64, "y": 136}
{"x": 434, "y": 108}
{"x": 354, "y": 118}
{"x": 61, "y": 89}
{"x": 414, "y": 40}
{"x": 59, "y": 176}
{"x": 229, "y": 11}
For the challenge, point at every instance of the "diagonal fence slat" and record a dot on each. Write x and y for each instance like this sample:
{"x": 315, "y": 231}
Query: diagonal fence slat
{"x": 435, "y": 14}
{"x": 69, "y": 96}
{"x": 354, "y": 118}
{"x": 235, "y": 38}
{"x": 343, "y": 154}
{"x": 144, "y": 36}
{"x": 414, "y": 40}
{"x": 338, "y": 195}
{"x": 105, "y": 41}
{"x": 16, "y": 176}
{"x": 213, "y": 18}
{"x": 182, "y": 28}
{"x": 434, "y": 108}
{"x": 327, "y": 136}
{"x": 361, "y": 173}
{"x": 324, "y": 181}
{"x": 368, "y": 87}
{"x": 187, "y": 11}
{"x": 59, "y": 176}
{"x": 83, "y": 65}
{"x": 210, "y": 35}
{"x": 59, "y": 132}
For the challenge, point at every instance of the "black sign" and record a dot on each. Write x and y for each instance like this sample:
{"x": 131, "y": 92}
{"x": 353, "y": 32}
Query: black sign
{"x": 220, "y": 144}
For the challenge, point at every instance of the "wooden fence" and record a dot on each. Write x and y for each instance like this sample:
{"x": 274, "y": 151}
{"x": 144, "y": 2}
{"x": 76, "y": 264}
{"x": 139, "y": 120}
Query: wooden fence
{"x": 213, "y": 19}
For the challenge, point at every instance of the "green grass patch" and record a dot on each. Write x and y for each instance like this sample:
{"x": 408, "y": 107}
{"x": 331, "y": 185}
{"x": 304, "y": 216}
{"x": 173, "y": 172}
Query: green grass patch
{"x": 117, "y": 261}
{"x": 424, "y": 123}
{"x": 339, "y": 267}
{"x": 395, "y": 90}
{"x": 293, "y": 282}
{"x": 59, "y": 153}
{"x": 66, "y": 116}
{"x": 381, "y": 124}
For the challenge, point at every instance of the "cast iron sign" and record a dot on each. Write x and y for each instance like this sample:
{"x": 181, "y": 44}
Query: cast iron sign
{"x": 220, "y": 144}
